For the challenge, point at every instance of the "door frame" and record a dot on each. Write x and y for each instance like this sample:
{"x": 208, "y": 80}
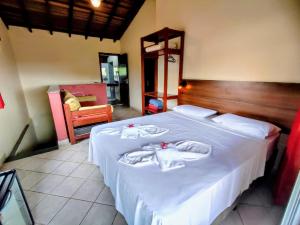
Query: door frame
{"x": 116, "y": 54}
{"x": 109, "y": 54}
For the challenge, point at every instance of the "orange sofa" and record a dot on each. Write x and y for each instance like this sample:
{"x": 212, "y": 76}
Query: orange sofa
{"x": 85, "y": 116}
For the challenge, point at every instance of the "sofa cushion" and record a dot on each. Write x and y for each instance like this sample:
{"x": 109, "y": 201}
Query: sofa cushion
{"x": 73, "y": 103}
{"x": 67, "y": 95}
{"x": 95, "y": 107}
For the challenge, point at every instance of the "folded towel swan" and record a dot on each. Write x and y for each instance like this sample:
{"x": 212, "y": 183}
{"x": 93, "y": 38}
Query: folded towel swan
{"x": 133, "y": 131}
{"x": 168, "y": 156}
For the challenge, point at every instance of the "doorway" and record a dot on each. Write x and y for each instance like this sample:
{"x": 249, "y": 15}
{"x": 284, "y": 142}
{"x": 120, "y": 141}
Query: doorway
{"x": 114, "y": 73}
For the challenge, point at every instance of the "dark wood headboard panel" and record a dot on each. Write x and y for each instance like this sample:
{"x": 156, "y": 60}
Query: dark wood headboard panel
{"x": 273, "y": 102}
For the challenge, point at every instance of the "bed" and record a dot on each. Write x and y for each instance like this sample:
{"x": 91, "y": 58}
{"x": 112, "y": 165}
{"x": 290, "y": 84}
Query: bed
{"x": 194, "y": 195}
{"x": 201, "y": 192}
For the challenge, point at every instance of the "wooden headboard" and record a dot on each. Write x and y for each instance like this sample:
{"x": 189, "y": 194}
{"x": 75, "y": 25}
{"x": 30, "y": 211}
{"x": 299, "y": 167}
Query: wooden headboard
{"x": 273, "y": 102}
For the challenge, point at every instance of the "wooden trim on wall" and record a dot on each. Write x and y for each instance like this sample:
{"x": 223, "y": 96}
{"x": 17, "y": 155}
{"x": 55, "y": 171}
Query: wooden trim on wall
{"x": 269, "y": 101}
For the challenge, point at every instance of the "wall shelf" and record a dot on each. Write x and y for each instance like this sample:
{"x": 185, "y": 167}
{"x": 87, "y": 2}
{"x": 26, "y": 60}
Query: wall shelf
{"x": 149, "y": 66}
{"x": 160, "y": 95}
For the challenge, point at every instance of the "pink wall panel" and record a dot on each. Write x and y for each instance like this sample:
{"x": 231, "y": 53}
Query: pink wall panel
{"x": 99, "y": 90}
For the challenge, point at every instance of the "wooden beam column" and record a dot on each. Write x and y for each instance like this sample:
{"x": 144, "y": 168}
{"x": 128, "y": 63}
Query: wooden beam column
{"x": 143, "y": 76}
{"x": 48, "y": 17}
{"x": 108, "y": 22}
{"x": 166, "y": 67}
{"x": 25, "y": 15}
{"x": 88, "y": 24}
{"x": 70, "y": 17}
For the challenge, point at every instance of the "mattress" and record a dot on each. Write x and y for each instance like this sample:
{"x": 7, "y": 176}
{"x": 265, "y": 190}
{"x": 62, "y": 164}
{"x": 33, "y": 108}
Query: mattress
{"x": 194, "y": 195}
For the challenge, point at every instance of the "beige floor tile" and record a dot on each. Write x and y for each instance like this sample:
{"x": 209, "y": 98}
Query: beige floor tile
{"x": 72, "y": 213}
{"x": 63, "y": 155}
{"x": 46, "y": 155}
{"x": 75, "y": 148}
{"x": 78, "y": 157}
{"x": 100, "y": 215}
{"x": 31, "y": 179}
{"x": 89, "y": 190}
{"x": 65, "y": 168}
{"x": 57, "y": 155}
{"x": 119, "y": 220}
{"x": 22, "y": 173}
{"x": 254, "y": 215}
{"x": 87, "y": 162}
{"x": 17, "y": 164}
{"x": 48, "y": 184}
{"x": 96, "y": 175}
{"x": 48, "y": 208}
{"x": 48, "y": 166}
{"x": 32, "y": 164}
{"x": 83, "y": 171}
{"x": 68, "y": 187}
{"x": 106, "y": 197}
{"x": 82, "y": 146}
{"x": 257, "y": 196}
{"x": 232, "y": 219}
{"x": 34, "y": 198}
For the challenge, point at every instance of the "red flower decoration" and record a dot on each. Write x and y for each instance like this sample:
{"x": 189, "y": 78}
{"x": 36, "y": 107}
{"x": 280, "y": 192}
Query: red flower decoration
{"x": 164, "y": 145}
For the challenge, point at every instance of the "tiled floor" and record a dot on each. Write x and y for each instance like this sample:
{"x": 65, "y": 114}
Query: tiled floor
{"x": 62, "y": 182}
{"x": 121, "y": 112}
{"x": 62, "y": 188}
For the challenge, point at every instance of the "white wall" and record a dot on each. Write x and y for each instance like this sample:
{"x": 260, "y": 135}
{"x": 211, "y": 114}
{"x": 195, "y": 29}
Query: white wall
{"x": 257, "y": 40}
{"x": 143, "y": 24}
{"x": 45, "y": 59}
{"x": 14, "y": 117}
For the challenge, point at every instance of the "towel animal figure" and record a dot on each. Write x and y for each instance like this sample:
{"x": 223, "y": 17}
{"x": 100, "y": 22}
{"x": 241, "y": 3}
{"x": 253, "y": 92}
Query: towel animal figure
{"x": 133, "y": 131}
{"x": 168, "y": 156}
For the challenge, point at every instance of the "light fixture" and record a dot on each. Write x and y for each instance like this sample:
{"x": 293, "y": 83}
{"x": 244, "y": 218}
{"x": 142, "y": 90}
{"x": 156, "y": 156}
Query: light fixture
{"x": 182, "y": 84}
{"x": 96, "y": 3}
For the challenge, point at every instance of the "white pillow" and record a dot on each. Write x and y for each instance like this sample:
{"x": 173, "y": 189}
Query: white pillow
{"x": 194, "y": 111}
{"x": 252, "y": 127}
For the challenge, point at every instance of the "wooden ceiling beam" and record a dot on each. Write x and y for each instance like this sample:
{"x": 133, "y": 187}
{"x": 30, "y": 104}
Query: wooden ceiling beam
{"x": 88, "y": 24}
{"x": 25, "y": 15}
{"x": 111, "y": 15}
{"x": 3, "y": 18}
{"x": 79, "y": 8}
{"x": 70, "y": 17}
{"x": 110, "y": 20}
{"x": 5, "y": 23}
{"x": 48, "y": 17}
{"x": 129, "y": 17}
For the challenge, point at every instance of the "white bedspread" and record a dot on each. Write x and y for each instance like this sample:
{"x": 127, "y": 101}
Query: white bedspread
{"x": 193, "y": 195}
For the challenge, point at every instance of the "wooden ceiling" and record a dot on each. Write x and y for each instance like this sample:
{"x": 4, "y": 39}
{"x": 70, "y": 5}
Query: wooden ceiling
{"x": 110, "y": 20}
